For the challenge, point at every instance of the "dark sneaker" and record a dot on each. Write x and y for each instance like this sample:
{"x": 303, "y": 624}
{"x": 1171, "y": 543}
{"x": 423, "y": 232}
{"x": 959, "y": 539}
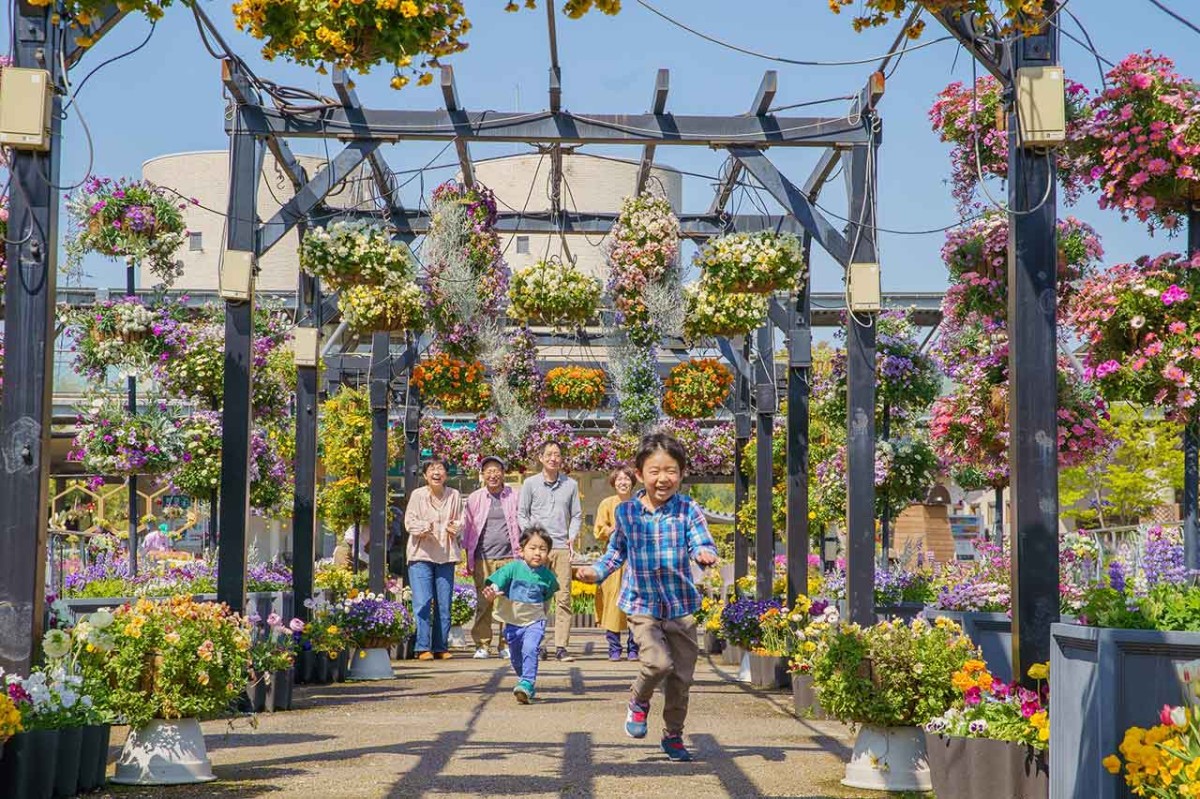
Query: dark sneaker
{"x": 563, "y": 656}
{"x": 675, "y": 749}
{"x": 635, "y": 719}
{"x": 523, "y": 692}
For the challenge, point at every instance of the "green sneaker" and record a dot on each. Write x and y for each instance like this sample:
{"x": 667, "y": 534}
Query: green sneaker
{"x": 524, "y": 692}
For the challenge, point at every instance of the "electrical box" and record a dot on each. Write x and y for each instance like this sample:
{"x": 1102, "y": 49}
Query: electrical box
{"x": 26, "y": 100}
{"x": 862, "y": 288}
{"x": 305, "y": 341}
{"x": 237, "y": 275}
{"x": 1042, "y": 106}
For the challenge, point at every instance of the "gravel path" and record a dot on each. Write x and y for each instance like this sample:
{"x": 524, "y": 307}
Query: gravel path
{"x": 453, "y": 729}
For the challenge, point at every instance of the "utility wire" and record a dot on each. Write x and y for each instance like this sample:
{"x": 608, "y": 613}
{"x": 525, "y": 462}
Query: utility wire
{"x": 1174, "y": 15}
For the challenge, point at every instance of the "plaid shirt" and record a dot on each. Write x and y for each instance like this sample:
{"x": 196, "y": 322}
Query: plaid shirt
{"x": 659, "y": 547}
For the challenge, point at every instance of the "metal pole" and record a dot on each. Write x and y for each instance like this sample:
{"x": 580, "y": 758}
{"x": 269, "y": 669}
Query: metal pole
{"x": 998, "y": 528}
{"x": 799, "y": 364}
{"x": 860, "y": 401}
{"x": 1032, "y": 368}
{"x": 1191, "y": 441}
{"x": 245, "y": 166}
{"x": 764, "y": 462}
{"x": 131, "y": 390}
{"x": 412, "y": 463}
{"x": 380, "y": 379}
{"x": 741, "y": 482}
{"x": 32, "y": 254}
{"x": 304, "y": 518}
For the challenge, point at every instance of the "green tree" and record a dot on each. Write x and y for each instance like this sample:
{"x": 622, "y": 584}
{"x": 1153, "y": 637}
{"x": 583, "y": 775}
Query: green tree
{"x": 1130, "y": 480}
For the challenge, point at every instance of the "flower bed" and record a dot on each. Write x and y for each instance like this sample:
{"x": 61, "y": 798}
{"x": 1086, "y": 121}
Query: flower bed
{"x": 696, "y": 389}
{"x": 391, "y": 307}
{"x": 358, "y": 252}
{"x": 358, "y": 36}
{"x": 130, "y": 219}
{"x": 111, "y": 442}
{"x": 453, "y": 385}
{"x": 712, "y": 312}
{"x": 1143, "y": 141}
{"x": 553, "y": 293}
{"x": 757, "y": 263}
{"x": 575, "y": 387}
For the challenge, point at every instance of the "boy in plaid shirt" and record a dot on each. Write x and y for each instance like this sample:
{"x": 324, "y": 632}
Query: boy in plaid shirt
{"x": 659, "y": 533}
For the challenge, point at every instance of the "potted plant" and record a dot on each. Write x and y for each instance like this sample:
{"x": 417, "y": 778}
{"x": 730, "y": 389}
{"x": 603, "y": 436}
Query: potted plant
{"x": 125, "y": 333}
{"x": 373, "y": 623}
{"x": 642, "y": 250}
{"x": 742, "y": 629}
{"x": 350, "y": 253}
{"x": 1018, "y": 15}
{"x": 713, "y": 312}
{"x": 322, "y": 642}
{"x": 809, "y": 628}
{"x": 696, "y": 389}
{"x": 172, "y": 663}
{"x": 583, "y": 604}
{"x": 708, "y": 622}
{"x": 553, "y": 293}
{"x": 452, "y": 385}
{"x": 130, "y": 219}
{"x": 394, "y": 305}
{"x": 111, "y": 441}
{"x": 462, "y": 611}
{"x": 777, "y": 638}
{"x": 996, "y": 734}
{"x": 575, "y": 387}
{"x": 891, "y": 679}
{"x": 272, "y": 657}
{"x": 752, "y": 263}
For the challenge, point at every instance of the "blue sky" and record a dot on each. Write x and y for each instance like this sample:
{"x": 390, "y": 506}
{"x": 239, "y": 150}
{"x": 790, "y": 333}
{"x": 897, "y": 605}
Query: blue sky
{"x": 168, "y": 98}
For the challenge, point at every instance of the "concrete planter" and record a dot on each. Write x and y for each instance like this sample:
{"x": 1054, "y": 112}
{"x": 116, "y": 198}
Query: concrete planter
{"x": 583, "y": 621}
{"x": 960, "y": 768}
{"x": 1103, "y": 682}
{"x": 371, "y": 664}
{"x": 889, "y": 759}
{"x": 806, "y": 699}
{"x": 279, "y": 690}
{"x": 731, "y": 655}
{"x": 164, "y": 753}
{"x": 904, "y": 611}
{"x": 711, "y": 643}
{"x": 767, "y": 671}
{"x": 991, "y": 632}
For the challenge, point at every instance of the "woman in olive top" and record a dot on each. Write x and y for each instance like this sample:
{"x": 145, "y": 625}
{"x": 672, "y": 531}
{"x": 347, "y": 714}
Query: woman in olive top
{"x": 433, "y": 520}
{"x": 609, "y": 615}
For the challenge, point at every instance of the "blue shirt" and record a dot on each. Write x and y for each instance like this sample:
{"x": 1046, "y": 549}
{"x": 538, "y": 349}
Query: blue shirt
{"x": 659, "y": 547}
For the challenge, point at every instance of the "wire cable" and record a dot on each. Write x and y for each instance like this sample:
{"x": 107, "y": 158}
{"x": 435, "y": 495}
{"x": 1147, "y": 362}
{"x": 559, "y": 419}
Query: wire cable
{"x": 79, "y": 86}
{"x": 1174, "y": 15}
{"x": 781, "y": 59}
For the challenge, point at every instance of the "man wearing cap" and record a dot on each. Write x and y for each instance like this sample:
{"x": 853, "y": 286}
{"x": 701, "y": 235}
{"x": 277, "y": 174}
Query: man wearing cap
{"x": 491, "y": 539}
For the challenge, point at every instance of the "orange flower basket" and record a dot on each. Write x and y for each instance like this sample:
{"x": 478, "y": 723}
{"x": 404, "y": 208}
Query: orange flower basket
{"x": 696, "y": 389}
{"x": 452, "y": 385}
{"x": 575, "y": 387}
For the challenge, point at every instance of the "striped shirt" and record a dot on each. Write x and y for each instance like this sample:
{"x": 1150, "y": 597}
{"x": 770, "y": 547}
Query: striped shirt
{"x": 659, "y": 547}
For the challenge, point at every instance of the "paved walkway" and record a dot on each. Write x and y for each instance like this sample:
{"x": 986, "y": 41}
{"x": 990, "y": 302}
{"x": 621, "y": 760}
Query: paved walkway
{"x": 453, "y": 729}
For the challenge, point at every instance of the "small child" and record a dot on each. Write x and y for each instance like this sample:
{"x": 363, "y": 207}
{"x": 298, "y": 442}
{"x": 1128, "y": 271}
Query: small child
{"x": 523, "y": 590}
{"x": 659, "y": 532}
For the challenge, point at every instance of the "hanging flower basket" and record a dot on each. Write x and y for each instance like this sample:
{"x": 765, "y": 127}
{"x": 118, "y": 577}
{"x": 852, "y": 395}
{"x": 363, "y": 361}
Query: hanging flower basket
{"x": 357, "y": 36}
{"x": 127, "y": 219}
{"x": 553, "y": 293}
{"x": 342, "y": 503}
{"x": 113, "y": 443}
{"x": 198, "y": 474}
{"x": 642, "y": 267}
{"x": 575, "y": 387}
{"x": 757, "y": 263}
{"x": 453, "y": 385}
{"x": 1143, "y": 141}
{"x": 354, "y": 253}
{"x": 388, "y": 308}
{"x": 125, "y": 333}
{"x": 697, "y": 389}
{"x": 711, "y": 312}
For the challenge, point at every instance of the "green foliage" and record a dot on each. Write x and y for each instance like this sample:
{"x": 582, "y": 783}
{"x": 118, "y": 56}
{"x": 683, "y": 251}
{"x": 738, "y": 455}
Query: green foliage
{"x": 1167, "y": 607}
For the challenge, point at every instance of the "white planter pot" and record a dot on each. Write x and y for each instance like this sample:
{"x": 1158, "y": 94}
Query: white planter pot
{"x": 889, "y": 759}
{"x": 457, "y": 638}
{"x": 164, "y": 753}
{"x": 744, "y": 668}
{"x": 371, "y": 664}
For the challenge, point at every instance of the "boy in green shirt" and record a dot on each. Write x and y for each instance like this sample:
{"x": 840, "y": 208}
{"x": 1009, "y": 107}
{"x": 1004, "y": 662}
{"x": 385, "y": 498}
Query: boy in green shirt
{"x": 522, "y": 591}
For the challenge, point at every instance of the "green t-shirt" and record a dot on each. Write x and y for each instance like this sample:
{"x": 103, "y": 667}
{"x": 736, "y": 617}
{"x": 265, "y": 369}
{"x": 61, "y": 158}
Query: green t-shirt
{"x": 527, "y": 592}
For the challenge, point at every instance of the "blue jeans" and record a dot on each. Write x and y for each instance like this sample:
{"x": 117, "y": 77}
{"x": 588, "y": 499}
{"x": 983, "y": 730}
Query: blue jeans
{"x": 523, "y": 645}
{"x": 428, "y": 579}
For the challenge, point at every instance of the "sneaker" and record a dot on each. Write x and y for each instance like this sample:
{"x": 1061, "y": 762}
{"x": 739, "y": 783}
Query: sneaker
{"x": 635, "y": 719}
{"x": 523, "y": 692}
{"x": 633, "y": 655}
{"x": 562, "y": 656}
{"x": 614, "y": 656}
{"x": 673, "y": 746}
{"x": 481, "y": 653}
{"x": 545, "y": 653}
{"x": 504, "y": 653}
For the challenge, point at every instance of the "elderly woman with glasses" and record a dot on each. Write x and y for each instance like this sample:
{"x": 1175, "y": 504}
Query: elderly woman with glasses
{"x": 433, "y": 520}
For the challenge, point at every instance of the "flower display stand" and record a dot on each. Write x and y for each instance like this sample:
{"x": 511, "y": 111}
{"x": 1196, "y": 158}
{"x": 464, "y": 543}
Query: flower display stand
{"x": 903, "y": 611}
{"x": 889, "y": 759}
{"x": 374, "y": 663}
{"x": 164, "y": 753}
{"x": 1105, "y": 681}
{"x": 28, "y": 765}
{"x": 314, "y": 668}
{"x": 959, "y": 767}
{"x": 991, "y": 632}
{"x": 805, "y": 698}
{"x": 254, "y": 700}
{"x": 768, "y": 671}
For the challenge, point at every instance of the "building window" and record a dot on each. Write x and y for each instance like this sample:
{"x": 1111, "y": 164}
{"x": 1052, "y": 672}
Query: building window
{"x": 196, "y": 242}
{"x": 522, "y": 245}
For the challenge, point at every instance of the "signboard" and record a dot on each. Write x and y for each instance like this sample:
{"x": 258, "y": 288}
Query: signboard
{"x": 964, "y": 530}
{"x": 176, "y": 501}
